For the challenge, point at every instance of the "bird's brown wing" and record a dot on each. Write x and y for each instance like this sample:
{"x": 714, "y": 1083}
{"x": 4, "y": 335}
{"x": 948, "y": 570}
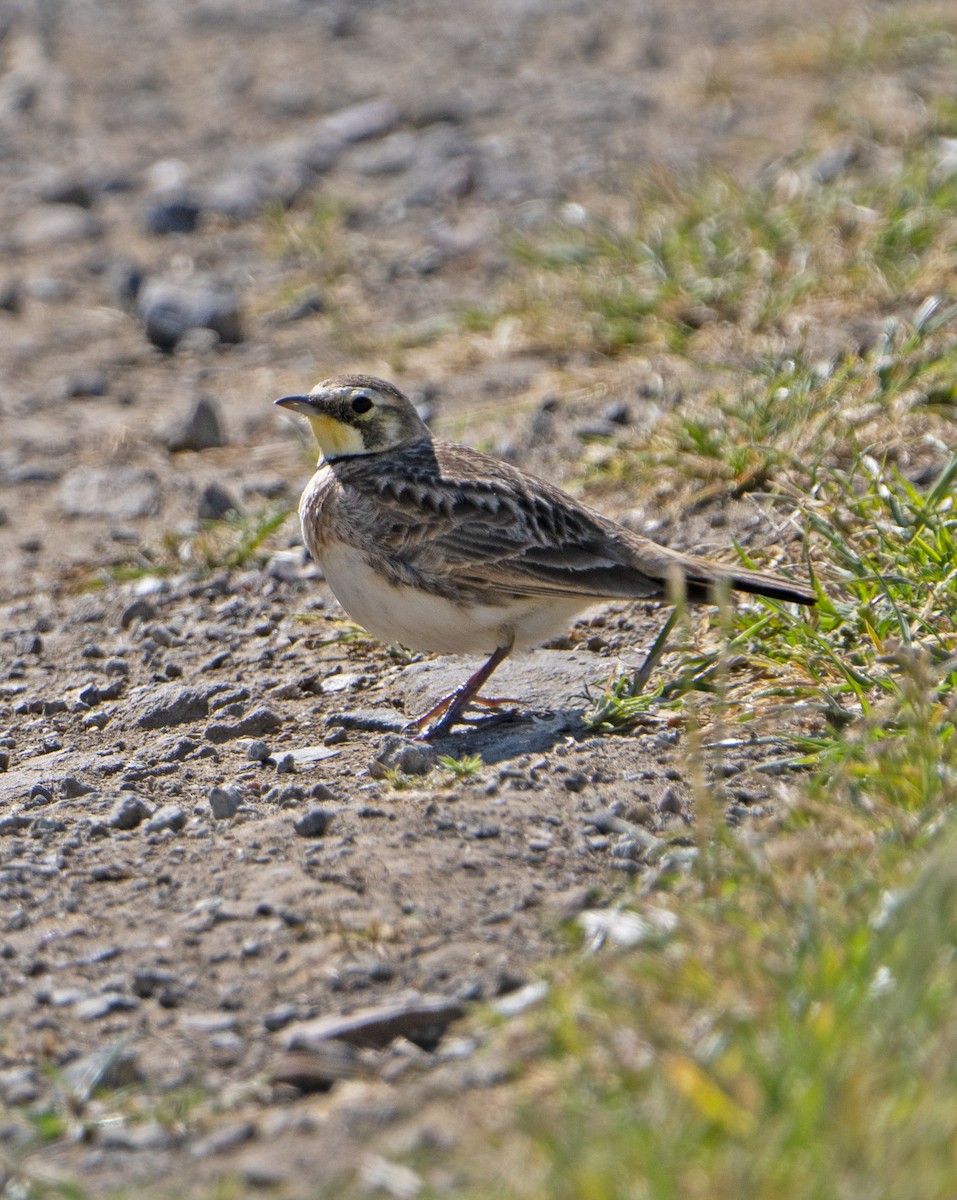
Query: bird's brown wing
{"x": 449, "y": 513}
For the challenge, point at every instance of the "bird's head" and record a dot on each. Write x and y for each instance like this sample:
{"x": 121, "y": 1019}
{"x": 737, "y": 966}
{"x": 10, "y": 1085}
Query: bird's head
{"x": 357, "y": 414}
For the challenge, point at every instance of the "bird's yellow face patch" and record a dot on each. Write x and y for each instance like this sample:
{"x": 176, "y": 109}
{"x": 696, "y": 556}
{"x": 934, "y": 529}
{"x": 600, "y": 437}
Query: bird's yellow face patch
{"x": 336, "y": 439}
{"x": 356, "y": 414}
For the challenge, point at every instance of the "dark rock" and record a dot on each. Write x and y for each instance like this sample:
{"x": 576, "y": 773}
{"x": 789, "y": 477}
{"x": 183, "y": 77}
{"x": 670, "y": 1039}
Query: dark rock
{"x": 313, "y": 823}
{"x": 11, "y": 296}
{"x": 169, "y": 311}
{"x": 67, "y": 188}
{"x": 93, "y": 694}
{"x": 14, "y": 823}
{"x": 119, "y": 493}
{"x": 618, "y": 413}
{"x": 139, "y": 610}
{"x": 170, "y": 816}
{"x": 128, "y": 812}
{"x": 71, "y": 788}
{"x": 152, "y": 981}
{"x": 279, "y": 1018}
{"x": 175, "y": 212}
{"x": 200, "y": 430}
{"x": 125, "y": 280}
{"x": 320, "y": 153}
{"x": 224, "y": 803}
{"x": 575, "y": 781}
{"x": 215, "y": 502}
{"x": 32, "y": 473}
{"x": 110, "y": 872}
{"x": 28, "y": 643}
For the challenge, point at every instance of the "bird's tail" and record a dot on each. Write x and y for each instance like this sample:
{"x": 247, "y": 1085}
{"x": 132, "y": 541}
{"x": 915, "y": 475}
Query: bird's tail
{"x": 703, "y": 578}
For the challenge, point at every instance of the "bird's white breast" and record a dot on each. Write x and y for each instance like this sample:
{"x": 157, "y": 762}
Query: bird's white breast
{"x": 424, "y": 621}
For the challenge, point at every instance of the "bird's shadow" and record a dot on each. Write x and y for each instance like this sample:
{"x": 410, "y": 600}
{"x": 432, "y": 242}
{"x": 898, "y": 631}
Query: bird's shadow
{"x": 509, "y": 735}
{"x": 495, "y": 738}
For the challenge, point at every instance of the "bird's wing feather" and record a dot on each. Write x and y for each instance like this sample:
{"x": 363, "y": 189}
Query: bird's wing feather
{"x": 445, "y": 513}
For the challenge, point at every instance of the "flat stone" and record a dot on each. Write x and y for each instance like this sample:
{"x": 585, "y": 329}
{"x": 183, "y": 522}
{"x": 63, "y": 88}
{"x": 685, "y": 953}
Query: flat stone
{"x": 119, "y": 493}
{"x": 308, "y": 756}
{"x": 159, "y": 707}
{"x": 208, "y": 1024}
{"x": 522, "y": 999}
{"x": 58, "y": 225}
{"x": 358, "y": 122}
{"x": 221, "y": 1141}
{"x": 254, "y": 724}
{"x": 626, "y": 928}
{"x": 421, "y": 1019}
{"x": 93, "y": 1008}
{"x": 150, "y": 1135}
{"x": 553, "y": 679}
{"x": 318, "y": 1069}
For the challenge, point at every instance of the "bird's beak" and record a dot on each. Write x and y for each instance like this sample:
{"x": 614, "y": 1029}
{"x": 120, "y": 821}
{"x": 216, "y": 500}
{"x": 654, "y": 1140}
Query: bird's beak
{"x": 299, "y": 404}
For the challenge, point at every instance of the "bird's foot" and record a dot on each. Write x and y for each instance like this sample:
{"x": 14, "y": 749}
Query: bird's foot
{"x": 441, "y": 717}
{"x": 451, "y": 710}
{"x": 496, "y": 701}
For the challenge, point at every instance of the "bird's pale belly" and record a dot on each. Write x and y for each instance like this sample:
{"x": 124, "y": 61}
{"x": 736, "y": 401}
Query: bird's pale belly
{"x": 424, "y": 621}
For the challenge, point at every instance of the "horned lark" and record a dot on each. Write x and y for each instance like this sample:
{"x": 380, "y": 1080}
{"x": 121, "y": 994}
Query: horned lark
{"x": 443, "y": 548}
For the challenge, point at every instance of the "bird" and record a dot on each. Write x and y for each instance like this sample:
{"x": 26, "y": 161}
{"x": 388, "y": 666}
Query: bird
{"x": 443, "y": 548}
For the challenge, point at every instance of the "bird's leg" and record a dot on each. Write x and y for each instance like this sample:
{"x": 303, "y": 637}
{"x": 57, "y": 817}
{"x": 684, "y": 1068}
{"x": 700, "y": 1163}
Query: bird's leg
{"x": 450, "y": 708}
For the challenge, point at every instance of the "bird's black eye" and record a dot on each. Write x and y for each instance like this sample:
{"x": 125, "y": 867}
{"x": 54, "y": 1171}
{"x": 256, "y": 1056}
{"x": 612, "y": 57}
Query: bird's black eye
{"x": 361, "y": 404}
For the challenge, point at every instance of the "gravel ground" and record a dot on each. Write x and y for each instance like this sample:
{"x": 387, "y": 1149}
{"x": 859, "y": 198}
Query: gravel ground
{"x": 215, "y": 845}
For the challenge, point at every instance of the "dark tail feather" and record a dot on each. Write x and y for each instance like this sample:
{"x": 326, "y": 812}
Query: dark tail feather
{"x": 701, "y": 589}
